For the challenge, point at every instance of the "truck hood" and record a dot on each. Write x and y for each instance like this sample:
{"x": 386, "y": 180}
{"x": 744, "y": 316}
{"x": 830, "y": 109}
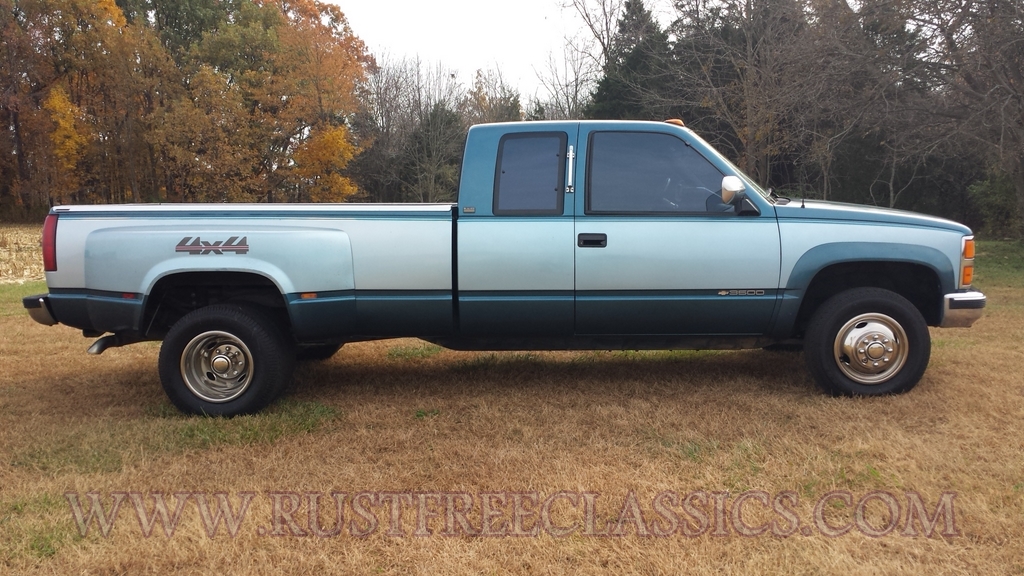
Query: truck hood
{"x": 837, "y": 211}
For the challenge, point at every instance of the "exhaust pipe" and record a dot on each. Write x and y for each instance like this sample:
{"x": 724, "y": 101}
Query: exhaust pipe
{"x": 110, "y": 341}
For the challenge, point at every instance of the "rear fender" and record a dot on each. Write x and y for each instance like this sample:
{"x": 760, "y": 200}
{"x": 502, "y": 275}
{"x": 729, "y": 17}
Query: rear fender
{"x": 134, "y": 259}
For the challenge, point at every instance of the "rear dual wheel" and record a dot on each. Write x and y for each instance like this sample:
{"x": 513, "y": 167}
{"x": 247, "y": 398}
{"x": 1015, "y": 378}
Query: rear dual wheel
{"x": 225, "y": 360}
{"x": 867, "y": 342}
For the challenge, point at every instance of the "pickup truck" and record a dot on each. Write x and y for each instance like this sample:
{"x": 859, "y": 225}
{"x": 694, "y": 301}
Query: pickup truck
{"x": 566, "y": 235}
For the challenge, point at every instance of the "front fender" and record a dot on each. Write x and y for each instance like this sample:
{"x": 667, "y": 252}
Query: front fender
{"x": 820, "y": 257}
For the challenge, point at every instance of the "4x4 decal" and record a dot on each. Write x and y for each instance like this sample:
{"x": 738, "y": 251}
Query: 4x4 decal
{"x": 197, "y": 246}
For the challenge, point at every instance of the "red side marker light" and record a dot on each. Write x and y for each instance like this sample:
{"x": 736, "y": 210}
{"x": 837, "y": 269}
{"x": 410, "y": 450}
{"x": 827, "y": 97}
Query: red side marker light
{"x": 49, "y": 243}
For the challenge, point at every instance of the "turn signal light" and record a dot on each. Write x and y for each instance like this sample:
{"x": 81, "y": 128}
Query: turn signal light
{"x": 969, "y": 249}
{"x": 967, "y": 275}
{"x": 967, "y": 262}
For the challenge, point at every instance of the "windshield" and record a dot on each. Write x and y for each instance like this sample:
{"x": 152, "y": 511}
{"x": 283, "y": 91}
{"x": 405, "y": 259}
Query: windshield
{"x": 747, "y": 180}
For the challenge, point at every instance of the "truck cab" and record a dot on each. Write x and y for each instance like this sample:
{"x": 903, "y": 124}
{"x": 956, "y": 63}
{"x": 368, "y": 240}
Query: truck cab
{"x": 610, "y": 229}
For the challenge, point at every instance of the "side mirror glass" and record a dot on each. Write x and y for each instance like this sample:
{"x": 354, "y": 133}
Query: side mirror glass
{"x": 731, "y": 186}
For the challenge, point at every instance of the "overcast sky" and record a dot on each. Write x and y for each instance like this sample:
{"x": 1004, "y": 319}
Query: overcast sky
{"x": 514, "y": 37}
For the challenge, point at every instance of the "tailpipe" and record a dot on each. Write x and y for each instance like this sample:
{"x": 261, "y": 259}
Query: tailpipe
{"x": 110, "y": 341}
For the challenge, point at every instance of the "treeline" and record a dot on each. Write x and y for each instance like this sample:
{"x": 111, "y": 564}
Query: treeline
{"x": 916, "y": 105}
{"x": 221, "y": 100}
{"x": 910, "y": 104}
{"x": 163, "y": 100}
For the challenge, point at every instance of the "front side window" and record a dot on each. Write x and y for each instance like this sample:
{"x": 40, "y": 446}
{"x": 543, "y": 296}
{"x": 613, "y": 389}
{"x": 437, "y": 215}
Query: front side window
{"x": 645, "y": 172}
{"x": 530, "y": 173}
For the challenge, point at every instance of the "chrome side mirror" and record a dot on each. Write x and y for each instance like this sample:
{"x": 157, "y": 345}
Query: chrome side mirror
{"x": 731, "y": 186}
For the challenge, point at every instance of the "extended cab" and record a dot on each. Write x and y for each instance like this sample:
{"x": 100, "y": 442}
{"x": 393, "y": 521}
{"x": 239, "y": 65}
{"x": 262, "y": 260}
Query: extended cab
{"x": 566, "y": 235}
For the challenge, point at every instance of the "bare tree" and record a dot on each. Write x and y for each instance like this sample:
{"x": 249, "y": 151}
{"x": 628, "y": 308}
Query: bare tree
{"x": 568, "y": 82}
{"x": 977, "y": 53}
{"x": 601, "y": 18}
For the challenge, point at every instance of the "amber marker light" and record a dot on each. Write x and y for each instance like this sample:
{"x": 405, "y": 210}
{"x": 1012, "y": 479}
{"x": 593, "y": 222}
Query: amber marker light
{"x": 308, "y": 295}
{"x": 967, "y": 262}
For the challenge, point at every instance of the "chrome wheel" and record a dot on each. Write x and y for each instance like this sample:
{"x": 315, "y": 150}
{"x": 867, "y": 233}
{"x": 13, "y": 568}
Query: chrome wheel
{"x": 216, "y": 366}
{"x": 871, "y": 348}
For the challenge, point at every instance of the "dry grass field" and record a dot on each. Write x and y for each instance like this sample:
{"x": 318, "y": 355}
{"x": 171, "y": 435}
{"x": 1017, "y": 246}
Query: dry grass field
{"x": 611, "y": 431}
{"x": 19, "y": 253}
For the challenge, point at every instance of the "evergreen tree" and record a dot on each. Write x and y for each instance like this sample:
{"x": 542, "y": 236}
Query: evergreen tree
{"x": 636, "y": 68}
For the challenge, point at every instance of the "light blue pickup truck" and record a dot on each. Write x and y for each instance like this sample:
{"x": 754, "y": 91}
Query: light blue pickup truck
{"x": 567, "y": 235}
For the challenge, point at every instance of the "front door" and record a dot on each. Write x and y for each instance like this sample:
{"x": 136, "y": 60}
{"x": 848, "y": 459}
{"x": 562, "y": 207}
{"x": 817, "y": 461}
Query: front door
{"x": 657, "y": 252}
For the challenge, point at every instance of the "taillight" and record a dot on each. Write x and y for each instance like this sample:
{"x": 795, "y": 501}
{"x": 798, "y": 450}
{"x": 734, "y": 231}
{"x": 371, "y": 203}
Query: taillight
{"x": 50, "y": 243}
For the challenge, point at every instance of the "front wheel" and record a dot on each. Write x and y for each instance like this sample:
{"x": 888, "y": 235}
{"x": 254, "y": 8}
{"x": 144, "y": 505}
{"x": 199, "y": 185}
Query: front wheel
{"x": 867, "y": 342}
{"x": 225, "y": 360}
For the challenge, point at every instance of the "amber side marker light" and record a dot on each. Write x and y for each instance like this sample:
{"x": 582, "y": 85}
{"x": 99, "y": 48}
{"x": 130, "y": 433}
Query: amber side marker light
{"x": 967, "y": 262}
{"x": 308, "y": 295}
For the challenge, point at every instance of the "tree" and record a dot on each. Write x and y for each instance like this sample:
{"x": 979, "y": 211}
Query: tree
{"x": 636, "y": 66}
{"x": 977, "y": 54}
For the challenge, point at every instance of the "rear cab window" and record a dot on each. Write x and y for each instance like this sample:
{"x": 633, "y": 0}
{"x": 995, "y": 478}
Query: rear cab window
{"x": 529, "y": 175}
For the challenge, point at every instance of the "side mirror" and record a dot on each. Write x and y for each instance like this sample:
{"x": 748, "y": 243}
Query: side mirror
{"x": 731, "y": 186}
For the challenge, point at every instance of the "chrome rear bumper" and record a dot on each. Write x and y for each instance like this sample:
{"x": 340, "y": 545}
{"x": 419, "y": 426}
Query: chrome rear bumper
{"x": 38, "y": 307}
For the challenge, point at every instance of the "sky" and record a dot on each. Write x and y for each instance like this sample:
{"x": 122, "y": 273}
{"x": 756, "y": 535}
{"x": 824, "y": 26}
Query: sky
{"x": 513, "y": 37}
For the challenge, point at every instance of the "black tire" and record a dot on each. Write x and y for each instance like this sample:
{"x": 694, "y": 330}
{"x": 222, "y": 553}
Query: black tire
{"x": 315, "y": 352}
{"x": 867, "y": 342}
{"x": 251, "y": 361}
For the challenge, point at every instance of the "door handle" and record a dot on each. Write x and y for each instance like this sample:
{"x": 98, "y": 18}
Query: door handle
{"x": 592, "y": 240}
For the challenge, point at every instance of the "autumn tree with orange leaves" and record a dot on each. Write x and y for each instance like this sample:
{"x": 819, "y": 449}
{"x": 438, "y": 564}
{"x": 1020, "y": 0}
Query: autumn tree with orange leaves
{"x": 159, "y": 100}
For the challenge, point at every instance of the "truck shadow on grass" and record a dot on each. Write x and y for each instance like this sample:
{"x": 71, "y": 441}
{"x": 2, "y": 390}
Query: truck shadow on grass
{"x": 612, "y": 373}
{"x": 116, "y": 392}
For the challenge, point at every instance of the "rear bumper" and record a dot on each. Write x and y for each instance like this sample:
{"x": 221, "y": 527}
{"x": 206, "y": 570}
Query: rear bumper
{"x": 961, "y": 309}
{"x": 38, "y": 306}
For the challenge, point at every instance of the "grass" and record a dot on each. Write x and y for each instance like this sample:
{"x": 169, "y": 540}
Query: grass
{"x": 402, "y": 352}
{"x": 107, "y": 445}
{"x": 409, "y": 416}
{"x": 1000, "y": 265}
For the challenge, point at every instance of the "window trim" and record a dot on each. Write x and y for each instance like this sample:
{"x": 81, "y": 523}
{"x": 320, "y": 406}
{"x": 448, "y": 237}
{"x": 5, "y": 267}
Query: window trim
{"x": 666, "y": 213}
{"x": 563, "y": 140}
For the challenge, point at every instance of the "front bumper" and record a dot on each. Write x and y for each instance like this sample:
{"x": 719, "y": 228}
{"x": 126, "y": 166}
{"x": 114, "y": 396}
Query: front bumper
{"x": 961, "y": 309}
{"x": 38, "y": 306}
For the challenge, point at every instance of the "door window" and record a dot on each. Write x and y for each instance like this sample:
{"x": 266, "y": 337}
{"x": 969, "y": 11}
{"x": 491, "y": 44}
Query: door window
{"x": 645, "y": 172}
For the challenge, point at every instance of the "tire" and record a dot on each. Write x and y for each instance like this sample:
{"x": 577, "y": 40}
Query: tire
{"x": 894, "y": 344}
{"x": 316, "y": 352}
{"x": 251, "y": 361}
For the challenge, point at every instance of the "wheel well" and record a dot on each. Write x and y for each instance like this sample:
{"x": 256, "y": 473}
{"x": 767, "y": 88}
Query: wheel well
{"x": 178, "y": 294}
{"x": 915, "y": 282}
